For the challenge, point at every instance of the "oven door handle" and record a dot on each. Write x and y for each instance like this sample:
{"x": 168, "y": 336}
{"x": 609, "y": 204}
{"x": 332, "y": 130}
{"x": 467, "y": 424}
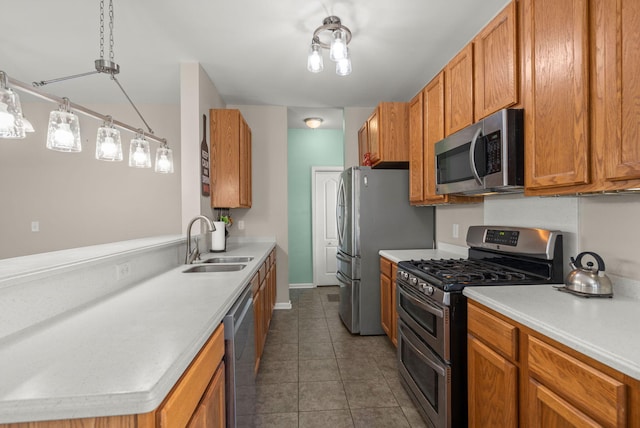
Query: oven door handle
{"x": 472, "y": 152}
{"x": 424, "y": 305}
{"x": 410, "y": 339}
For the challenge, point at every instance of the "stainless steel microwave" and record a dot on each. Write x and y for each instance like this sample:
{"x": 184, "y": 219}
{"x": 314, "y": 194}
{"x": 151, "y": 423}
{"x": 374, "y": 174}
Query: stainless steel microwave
{"x": 486, "y": 157}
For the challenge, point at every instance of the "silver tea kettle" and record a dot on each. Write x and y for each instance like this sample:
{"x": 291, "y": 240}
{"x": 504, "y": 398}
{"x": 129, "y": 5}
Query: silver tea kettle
{"x": 588, "y": 281}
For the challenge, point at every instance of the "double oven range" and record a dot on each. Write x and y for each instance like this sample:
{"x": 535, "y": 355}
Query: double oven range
{"x": 432, "y": 311}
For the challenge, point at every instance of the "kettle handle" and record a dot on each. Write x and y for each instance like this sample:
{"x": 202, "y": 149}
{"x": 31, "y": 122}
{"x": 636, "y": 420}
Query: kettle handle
{"x": 578, "y": 260}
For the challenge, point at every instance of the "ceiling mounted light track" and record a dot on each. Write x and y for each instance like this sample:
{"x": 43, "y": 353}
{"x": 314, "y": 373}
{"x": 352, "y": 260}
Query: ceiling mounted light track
{"x": 336, "y": 37}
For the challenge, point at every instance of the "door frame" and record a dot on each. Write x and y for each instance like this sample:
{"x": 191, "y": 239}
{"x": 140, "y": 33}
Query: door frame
{"x": 314, "y": 171}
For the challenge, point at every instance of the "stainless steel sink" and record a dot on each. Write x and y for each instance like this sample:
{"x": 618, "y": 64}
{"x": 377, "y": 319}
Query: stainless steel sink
{"x": 229, "y": 259}
{"x": 215, "y": 268}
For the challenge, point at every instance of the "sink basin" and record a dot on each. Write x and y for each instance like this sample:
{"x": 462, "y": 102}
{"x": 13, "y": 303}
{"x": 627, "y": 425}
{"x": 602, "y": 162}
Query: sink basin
{"x": 214, "y": 268}
{"x": 228, "y": 260}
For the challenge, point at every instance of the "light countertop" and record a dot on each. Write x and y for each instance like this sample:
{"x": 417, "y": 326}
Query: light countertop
{"x": 123, "y": 353}
{"x": 601, "y": 328}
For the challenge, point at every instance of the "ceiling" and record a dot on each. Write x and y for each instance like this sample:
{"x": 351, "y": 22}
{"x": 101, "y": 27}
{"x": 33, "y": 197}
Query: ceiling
{"x": 254, "y": 50}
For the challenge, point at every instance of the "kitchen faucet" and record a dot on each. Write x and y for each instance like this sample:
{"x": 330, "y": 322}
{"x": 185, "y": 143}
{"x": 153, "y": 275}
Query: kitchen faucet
{"x": 193, "y": 255}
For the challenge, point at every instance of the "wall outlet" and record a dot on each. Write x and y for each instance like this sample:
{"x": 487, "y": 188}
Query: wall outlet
{"x": 240, "y": 224}
{"x": 123, "y": 270}
{"x": 456, "y": 230}
{"x": 35, "y": 226}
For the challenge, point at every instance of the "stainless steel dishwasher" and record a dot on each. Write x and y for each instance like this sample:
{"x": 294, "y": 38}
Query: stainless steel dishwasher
{"x": 240, "y": 355}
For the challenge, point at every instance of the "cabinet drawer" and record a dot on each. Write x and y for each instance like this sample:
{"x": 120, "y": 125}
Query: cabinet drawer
{"x": 263, "y": 271}
{"x": 182, "y": 401}
{"x": 385, "y": 267}
{"x": 501, "y": 335}
{"x": 595, "y": 393}
{"x": 255, "y": 284}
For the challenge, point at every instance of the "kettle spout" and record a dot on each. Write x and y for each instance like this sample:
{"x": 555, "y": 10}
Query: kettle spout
{"x": 572, "y": 262}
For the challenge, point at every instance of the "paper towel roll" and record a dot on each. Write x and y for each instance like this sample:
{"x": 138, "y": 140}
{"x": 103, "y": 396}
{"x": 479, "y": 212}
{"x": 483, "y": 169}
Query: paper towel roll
{"x": 218, "y": 238}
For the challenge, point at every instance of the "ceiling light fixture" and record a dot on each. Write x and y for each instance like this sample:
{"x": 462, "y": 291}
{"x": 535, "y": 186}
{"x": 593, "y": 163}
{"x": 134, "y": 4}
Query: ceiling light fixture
{"x": 63, "y": 133}
{"x": 313, "y": 122}
{"x": 334, "y": 36}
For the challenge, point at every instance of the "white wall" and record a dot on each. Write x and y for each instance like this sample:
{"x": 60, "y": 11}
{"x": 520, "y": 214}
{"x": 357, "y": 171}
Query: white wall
{"x": 78, "y": 200}
{"x": 268, "y": 215}
{"x": 198, "y": 94}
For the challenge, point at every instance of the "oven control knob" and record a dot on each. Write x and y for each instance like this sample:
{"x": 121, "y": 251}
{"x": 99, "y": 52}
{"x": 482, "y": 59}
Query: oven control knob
{"x": 428, "y": 289}
{"x": 413, "y": 280}
{"x": 404, "y": 275}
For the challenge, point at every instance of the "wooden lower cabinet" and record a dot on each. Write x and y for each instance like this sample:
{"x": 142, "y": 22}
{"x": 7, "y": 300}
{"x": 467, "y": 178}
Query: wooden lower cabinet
{"x": 197, "y": 399}
{"x": 518, "y": 377}
{"x": 264, "y": 299}
{"x": 388, "y": 311}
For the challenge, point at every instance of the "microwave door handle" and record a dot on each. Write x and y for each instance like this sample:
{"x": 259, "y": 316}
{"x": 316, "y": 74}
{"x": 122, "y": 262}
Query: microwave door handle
{"x": 472, "y": 151}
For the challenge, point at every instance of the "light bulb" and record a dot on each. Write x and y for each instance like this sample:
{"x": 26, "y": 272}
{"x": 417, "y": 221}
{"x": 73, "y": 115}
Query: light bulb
{"x": 63, "y": 136}
{"x": 314, "y": 60}
{"x": 139, "y": 157}
{"x": 164, "y": 160}
{"x": 108, "y": 147}
{"x": 343, "y": 67}
{"x": 338, "y": 49}
{"x": 6, "y": 118}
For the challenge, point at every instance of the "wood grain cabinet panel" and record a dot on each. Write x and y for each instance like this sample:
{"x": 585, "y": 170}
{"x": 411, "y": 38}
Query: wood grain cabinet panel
{"x": 502, "y": 335}
{"x": 230, "y": 161}
{"x": 556, "y": 44}
{"x": 363, "y": 143}
{"x": 492, "y": 388}
{"x": 496, "y": 64}
{"x": 547, "y": 410}
{"x": 458, "y": 80}
{"x": 388, "y": 134}
{"x": 592, "y": 391}
{"x": 388, "y": 311}
{"x": 416, "y": 150}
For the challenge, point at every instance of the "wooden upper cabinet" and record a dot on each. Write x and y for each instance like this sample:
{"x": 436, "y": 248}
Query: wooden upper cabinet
{"x": 230, "y": 160}
{"x": 416, "y": 150}
{"x": 363, "y": 143}
{"x": 458, "y": 78}
{"x": 617, "y": 69}
{"x": 556, "y": 49}
{"x": 496, "y": 64}
{"x": 388, "y": 132}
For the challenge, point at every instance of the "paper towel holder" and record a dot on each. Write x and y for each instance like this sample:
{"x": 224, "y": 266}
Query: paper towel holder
{"x": 218, "y": 237}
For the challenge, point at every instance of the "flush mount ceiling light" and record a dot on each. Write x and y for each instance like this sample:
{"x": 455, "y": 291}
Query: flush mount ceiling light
{"x": 313, "y": 122}
{"x": 334, "y": 36}
{"x": 63, "y": 133}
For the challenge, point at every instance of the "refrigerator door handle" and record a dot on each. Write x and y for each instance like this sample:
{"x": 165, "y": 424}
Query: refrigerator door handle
{"x": 340, "y": 212}
{"x": 342, "y": 258}
{"x": 343, "y": 279}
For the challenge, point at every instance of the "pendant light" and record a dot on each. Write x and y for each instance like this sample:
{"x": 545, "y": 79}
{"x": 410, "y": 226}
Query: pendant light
{"x": 334, "y": 36}
{"x": 108, "y": 142}
{"x": 139, "y": 153}
{"x": 63, "y": 132}
{"x": 11, "y": 120}
{"x": 314, "y": 60}
{"x": 164, "y": 160}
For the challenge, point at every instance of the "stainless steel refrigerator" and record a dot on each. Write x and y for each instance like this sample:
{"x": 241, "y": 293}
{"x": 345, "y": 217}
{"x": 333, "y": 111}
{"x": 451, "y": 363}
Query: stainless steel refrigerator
{"x": 374, "y": 214}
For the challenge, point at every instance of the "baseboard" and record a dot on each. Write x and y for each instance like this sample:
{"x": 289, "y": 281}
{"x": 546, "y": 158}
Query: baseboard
{"x": 301, "y": 285}
{"x": 286, "y": 305}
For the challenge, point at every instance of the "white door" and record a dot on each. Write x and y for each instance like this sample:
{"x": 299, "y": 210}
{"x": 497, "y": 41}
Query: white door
{"x": 325, "y": 231}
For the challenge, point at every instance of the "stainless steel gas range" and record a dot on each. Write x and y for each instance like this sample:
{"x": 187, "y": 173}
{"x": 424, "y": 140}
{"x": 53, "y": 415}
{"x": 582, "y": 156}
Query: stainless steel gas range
{"x": 432, "y": 326}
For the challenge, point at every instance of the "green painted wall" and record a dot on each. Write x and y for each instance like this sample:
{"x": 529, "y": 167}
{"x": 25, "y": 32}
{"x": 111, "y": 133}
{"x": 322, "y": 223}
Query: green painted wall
{"x": 307, "y": 148}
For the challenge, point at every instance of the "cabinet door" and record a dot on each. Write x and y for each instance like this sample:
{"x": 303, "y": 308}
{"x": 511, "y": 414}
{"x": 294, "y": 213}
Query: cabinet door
{"x": 363, "y": 143}
{"x": 433, "y": 132}
{"x": 556, "y": 49}
{"x": 617, "y": 77}
{"x": 385, "y": 304}
{"x": 394, "y": 310}
{"x": 211, "y": 411}
{"x": 492, "y": 389}
{"x": 374, "y": 137}
{"x": 496, "y": 64}
{"x": 547, "y": 409}
{"x": 459, "y": 91}
{"x": 416, "y": 153}
{"x": 257, "y": 315}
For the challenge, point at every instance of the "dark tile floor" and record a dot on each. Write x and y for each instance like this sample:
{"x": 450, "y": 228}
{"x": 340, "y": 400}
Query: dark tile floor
{"x": 314, "y": 373}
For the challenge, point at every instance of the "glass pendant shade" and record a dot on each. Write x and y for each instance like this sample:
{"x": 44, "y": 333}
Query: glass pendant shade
{"x": 164, "y": 160}
{"x": 63, "y": 133}
{"x": 139, "y": 154}
{"x": 108, "y": 144}
{"x": 338, "y": 49}
{"x": 11, "y": 122}
{"x": 314, "y": 60}
{"x": 28, "y": 127}
{"x": 343, "y": 67}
